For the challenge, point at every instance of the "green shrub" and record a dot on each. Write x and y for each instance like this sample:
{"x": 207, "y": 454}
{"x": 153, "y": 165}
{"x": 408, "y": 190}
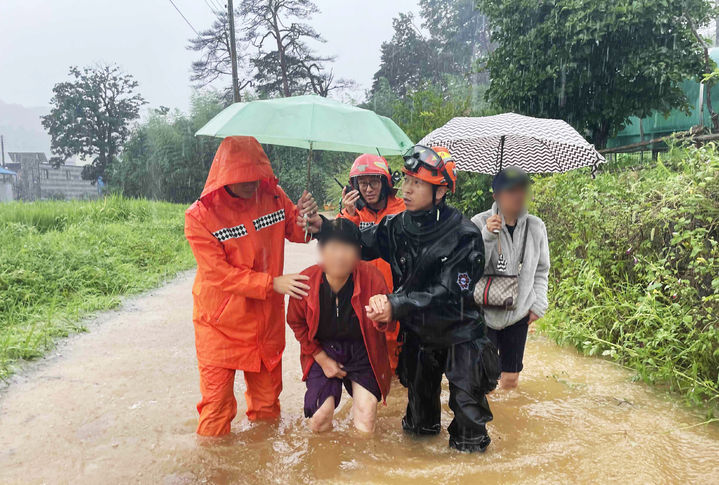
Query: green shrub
{"x": 60, "y": 261}
{"x": 635, "y": 267}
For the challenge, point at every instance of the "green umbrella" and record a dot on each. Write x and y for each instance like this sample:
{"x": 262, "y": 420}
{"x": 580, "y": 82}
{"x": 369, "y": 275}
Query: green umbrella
{"x": 311, "y": 122}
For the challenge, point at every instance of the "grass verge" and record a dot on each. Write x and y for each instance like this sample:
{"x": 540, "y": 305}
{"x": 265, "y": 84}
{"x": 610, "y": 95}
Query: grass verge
{"x": 635, "y": 268}
{"x": 60, "y": 261}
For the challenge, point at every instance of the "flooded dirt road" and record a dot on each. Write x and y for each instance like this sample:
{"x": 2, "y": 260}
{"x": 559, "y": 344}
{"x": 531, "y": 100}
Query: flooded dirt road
{"x": 116, "y": 405}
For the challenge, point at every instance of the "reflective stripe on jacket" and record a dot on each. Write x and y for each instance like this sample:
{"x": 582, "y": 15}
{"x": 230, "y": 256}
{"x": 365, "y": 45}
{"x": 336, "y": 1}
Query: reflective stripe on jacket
{"x": 239, "y": 247}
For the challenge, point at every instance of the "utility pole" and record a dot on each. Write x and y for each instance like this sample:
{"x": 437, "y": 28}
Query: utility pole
{"x": 233, "y": 52}
{"x": 2, "y": 150}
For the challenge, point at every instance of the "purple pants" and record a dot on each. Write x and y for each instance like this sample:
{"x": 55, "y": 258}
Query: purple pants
{"x": 353, "y": 357}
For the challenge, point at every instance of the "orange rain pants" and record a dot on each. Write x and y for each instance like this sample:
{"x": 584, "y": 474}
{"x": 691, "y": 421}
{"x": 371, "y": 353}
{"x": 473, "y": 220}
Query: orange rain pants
{"x": 218, "y": 406}
{"x": 239, "y": 319}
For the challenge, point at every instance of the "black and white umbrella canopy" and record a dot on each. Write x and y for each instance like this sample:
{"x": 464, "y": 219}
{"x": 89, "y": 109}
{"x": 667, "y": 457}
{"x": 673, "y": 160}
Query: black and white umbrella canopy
{"x": 536, "y": 145}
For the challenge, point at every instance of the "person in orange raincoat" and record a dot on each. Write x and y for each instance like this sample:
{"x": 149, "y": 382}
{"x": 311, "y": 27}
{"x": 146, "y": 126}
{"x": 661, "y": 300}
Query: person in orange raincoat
{"x": 371, "y": 198}
{"x": 236, "y": 231}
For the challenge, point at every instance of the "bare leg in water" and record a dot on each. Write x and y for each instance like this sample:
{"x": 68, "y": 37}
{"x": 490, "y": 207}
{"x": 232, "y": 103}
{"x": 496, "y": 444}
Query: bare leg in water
{"x": 364, "y": 411}
{"x": 364, "y": 408}
{"x": 321, "y": 421}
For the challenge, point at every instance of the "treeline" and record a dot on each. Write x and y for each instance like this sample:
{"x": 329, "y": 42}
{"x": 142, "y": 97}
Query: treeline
{"x": 422, "y": 83}
{"x": 593, "y": 64}
{"x": 164, "y": 160}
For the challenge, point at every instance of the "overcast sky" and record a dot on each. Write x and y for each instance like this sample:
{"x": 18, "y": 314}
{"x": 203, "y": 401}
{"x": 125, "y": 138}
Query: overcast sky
{"x": 40, "y": 39}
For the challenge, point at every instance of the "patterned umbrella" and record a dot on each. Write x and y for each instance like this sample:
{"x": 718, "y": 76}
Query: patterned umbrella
{"x": 536, "y": 145}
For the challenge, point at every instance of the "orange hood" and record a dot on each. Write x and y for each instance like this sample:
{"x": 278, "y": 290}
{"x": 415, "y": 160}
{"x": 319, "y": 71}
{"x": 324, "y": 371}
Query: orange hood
{"x": 238, "y": 159}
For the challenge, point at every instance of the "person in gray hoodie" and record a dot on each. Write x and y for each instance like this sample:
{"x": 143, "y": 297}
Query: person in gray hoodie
{"x": 504, "y": 225}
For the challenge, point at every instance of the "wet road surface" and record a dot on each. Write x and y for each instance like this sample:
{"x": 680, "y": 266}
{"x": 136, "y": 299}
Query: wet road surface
{"x": 116, "y": 405}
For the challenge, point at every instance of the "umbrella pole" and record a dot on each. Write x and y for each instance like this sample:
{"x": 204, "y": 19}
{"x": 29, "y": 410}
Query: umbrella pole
{"x": 501, "y": 152}
{"x": 309, "y": 167}
{"x": 309, "y": 173}
{"x": 501, "y": 162}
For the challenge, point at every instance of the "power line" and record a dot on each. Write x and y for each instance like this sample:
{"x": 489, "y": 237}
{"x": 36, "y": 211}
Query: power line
{"x": 212, "y": 8}
{"x": 185, "y": 18}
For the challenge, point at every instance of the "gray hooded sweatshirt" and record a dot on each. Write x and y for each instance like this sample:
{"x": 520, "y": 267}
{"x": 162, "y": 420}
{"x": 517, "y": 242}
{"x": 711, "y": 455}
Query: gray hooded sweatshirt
{"x": 533, "y": 278}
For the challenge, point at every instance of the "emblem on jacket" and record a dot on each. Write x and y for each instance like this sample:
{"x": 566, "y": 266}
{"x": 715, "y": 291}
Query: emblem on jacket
{"x": 463, "y": 280}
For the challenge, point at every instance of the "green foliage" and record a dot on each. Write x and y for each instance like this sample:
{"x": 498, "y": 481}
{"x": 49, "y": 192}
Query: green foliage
{"x": 635, "y": 267}
{"x": 90, "y": 116}
{"x": 473, "y": 194}
{"x": 429, "y": 108}
{"x": 408, "y": 60}
{"x": 459, "y": 30}
{"x": 163, "y": 159}
{"x": 592, "y": 63}
{"x": 426, "y": 80}
{"x": 60, "y": 261}
{"x": 382, "y": 98}
{"x": 290, "y": 166}
{"x": 457, "y": 35}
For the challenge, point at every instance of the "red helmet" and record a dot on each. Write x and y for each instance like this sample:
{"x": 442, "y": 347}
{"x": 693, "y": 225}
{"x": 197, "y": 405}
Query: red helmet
{"x": 433, "y": 165}
{"x": 369, "y": 164}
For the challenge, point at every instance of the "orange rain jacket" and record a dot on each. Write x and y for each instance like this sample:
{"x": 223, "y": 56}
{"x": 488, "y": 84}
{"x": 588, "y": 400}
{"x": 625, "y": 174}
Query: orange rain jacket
{"x": 239, "y": 248}
{"x": 367, "y": 218}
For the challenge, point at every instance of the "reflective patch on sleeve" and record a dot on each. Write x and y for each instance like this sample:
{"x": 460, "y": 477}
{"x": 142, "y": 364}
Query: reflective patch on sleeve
{"x": 365, "y": 225}
{"x": 230, "y": 233}
{"x": 269, "y": 219}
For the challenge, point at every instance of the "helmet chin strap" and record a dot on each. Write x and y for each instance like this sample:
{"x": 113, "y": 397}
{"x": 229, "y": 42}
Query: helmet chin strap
{"x": 434, "y": 201}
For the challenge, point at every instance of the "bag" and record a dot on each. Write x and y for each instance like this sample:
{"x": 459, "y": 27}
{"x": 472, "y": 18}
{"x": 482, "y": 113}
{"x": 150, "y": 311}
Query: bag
{"x": 499, "y": 290}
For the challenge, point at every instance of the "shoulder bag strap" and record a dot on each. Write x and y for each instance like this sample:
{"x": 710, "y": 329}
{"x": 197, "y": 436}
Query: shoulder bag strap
{"x": 524, "y": 243}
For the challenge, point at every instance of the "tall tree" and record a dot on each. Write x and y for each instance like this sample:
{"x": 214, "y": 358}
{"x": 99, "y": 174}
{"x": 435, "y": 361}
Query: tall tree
{"x": 460, "y": 30}
{"x": 593, "y": 64}
{"x": 284, "y": 64}
{"x": 215, "y": 61}
{"x": 408, "y": 60}
{"x": 454, "y": 36}
{"x": 273, "y": 55}
{"x": 90, "y": 116}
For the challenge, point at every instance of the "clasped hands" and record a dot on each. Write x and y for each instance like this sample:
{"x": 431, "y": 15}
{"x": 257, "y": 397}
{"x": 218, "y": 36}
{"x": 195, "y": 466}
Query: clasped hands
{"x": 379, "y": 309}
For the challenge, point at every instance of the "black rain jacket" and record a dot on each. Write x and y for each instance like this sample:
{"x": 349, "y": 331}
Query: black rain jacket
{"x": 435, "y": 265}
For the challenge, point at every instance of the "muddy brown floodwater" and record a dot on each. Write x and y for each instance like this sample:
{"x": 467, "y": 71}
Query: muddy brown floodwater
{"x": 116, "y": 405}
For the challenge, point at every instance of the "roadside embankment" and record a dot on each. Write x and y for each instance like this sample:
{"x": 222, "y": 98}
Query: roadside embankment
{"x": 635, "y": 267}
{"x": 60, "y": 261}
